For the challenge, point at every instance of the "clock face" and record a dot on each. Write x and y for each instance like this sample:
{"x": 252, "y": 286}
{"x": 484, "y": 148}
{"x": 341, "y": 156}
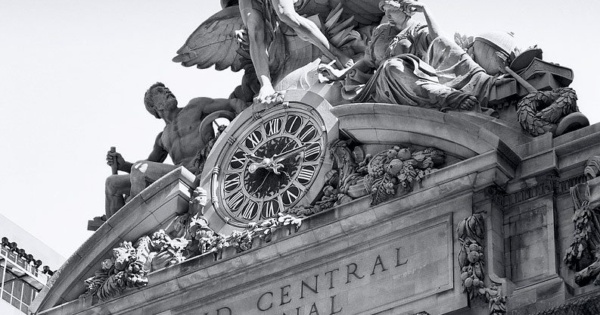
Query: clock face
{"x": 270, "y": 164}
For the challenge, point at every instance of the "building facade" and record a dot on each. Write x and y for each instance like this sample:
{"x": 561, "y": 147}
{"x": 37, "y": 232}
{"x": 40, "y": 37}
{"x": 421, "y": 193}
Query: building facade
{"x": 23, "y": 270}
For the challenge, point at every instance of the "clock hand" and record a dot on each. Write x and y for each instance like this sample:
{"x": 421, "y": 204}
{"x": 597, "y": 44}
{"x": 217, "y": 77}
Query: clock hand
{"x": 277, "y": 158}
{"x": 253, "y": 158}
{"x": 257, "y": 163}
{"x": 273, "y": 163}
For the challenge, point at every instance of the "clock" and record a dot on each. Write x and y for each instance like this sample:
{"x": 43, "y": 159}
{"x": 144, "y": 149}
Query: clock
{"x": 270, "y": 158}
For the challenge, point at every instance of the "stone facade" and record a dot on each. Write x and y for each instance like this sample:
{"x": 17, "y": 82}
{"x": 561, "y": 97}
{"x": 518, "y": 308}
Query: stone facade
{"x": 333, "y": 196}
{"x": 398, "y": 257}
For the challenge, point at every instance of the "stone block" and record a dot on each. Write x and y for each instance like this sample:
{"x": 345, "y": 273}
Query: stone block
{"x": 192, "y": 279}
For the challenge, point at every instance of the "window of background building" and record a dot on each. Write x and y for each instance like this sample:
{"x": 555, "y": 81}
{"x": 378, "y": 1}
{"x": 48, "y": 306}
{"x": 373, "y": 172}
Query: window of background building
{"x": 17, "y": 292}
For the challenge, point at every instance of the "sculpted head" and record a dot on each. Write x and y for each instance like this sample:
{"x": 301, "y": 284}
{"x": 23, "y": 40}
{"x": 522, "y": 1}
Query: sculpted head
{"x": 157, "y": 98}
{"x": 398, "y": 12}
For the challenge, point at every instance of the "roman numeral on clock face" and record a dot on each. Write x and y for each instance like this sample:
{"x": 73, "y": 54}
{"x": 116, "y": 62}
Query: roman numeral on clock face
{"x": 269, "y": 209}
{"x": 235, "y": 201}
{"x": 308, "y": 133}
{"x": 273, "y": 126}
{"x": 238, "y": 160}
{"x": 306, "y": 174}
{"x": 313, "y": 152}
{"x": 250, "y": 210}
{"x": 290, "y": 195}
{"x": 253, "y": 139}
{"x": 232, "y": 181}
{"x": 293, "y": 124}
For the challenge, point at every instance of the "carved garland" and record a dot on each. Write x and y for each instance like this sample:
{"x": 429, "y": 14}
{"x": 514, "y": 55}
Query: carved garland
{"x": 471, "y": 261}
{"x": 129, "y": 265}
{"x": 539, "y": 112}
{"x": 584, "y": 255}
{"x": 383, "y": 176}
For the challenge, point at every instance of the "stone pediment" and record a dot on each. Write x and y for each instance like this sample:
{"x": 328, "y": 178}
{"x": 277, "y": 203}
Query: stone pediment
{"x": 155, "y": 208}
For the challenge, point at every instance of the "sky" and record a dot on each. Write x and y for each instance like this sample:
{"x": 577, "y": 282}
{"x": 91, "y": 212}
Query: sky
{"x": 73, "y": 74}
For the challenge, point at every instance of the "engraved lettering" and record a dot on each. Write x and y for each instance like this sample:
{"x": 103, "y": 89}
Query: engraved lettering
{"x": 331, "y": 272}
{"x": 313, "y": 309}
{"x": 258, "y": 303}
{"x": 378, "y": 262}
{"x": 222, "y": 309}
{"x": 353, "y": 272}
{"x": 333, "y": 307}
{"x": 297, "y": 311}
{"x": 285, "y": 293}
{"x": 304, "y": 284}
{"x": 398, "y": 263}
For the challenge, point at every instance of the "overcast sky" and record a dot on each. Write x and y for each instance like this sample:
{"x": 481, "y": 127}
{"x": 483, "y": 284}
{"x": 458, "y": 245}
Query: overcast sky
{"x": 73, "y": 74}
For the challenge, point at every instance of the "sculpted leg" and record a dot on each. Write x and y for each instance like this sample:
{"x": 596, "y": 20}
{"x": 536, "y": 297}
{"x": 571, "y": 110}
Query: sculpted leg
{"x": 254, "y": 21}
{"x": 116, "y": 187}
{"x": 406, "y": 80}
{"x": 307, "y": 30}
{"x": 144, "y": 173}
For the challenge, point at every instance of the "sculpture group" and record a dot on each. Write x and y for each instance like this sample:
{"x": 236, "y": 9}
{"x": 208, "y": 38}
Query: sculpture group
{"x": 371, "y": 50}
{"x": 365, "y": 51}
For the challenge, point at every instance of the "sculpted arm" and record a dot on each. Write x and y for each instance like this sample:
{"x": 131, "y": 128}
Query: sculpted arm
{"x": 351, "y": 74}
{"x": 158, "y": 154}
{"x": 208, "y": 105}
{"x": 434, "y": 29}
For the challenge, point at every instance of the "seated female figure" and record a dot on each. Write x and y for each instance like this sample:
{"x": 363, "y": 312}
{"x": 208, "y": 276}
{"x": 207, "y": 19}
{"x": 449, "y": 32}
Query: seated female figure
{"x": 414, "y": 65}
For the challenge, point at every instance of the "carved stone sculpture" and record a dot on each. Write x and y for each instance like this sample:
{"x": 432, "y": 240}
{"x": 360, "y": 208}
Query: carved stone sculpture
{"x": 584, "y": 253}
{"x": 187, "y": 133}
{"x": 383, "y": 176}
{"x": 414, "y": 65}
{"x": 592, "y": 167}
{"x": 129, "y": 264}
{"x": 229, "y": 39}
{"x": 471, "y": 262}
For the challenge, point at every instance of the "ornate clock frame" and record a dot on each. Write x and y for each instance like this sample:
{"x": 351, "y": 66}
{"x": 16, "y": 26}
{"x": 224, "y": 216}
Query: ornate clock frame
{"x": 270, "y": 157}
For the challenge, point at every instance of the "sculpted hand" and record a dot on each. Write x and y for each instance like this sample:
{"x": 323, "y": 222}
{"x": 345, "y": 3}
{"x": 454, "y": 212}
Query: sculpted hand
{"x": 414, "y": 6}
{"x": 268, "y": 96}
{"x": 112, "y": 157}
{"x": 331, "y": 74}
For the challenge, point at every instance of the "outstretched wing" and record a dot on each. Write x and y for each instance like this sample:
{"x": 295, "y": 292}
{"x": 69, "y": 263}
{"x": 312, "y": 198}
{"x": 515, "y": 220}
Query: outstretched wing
{"x": 214, "y": 43}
